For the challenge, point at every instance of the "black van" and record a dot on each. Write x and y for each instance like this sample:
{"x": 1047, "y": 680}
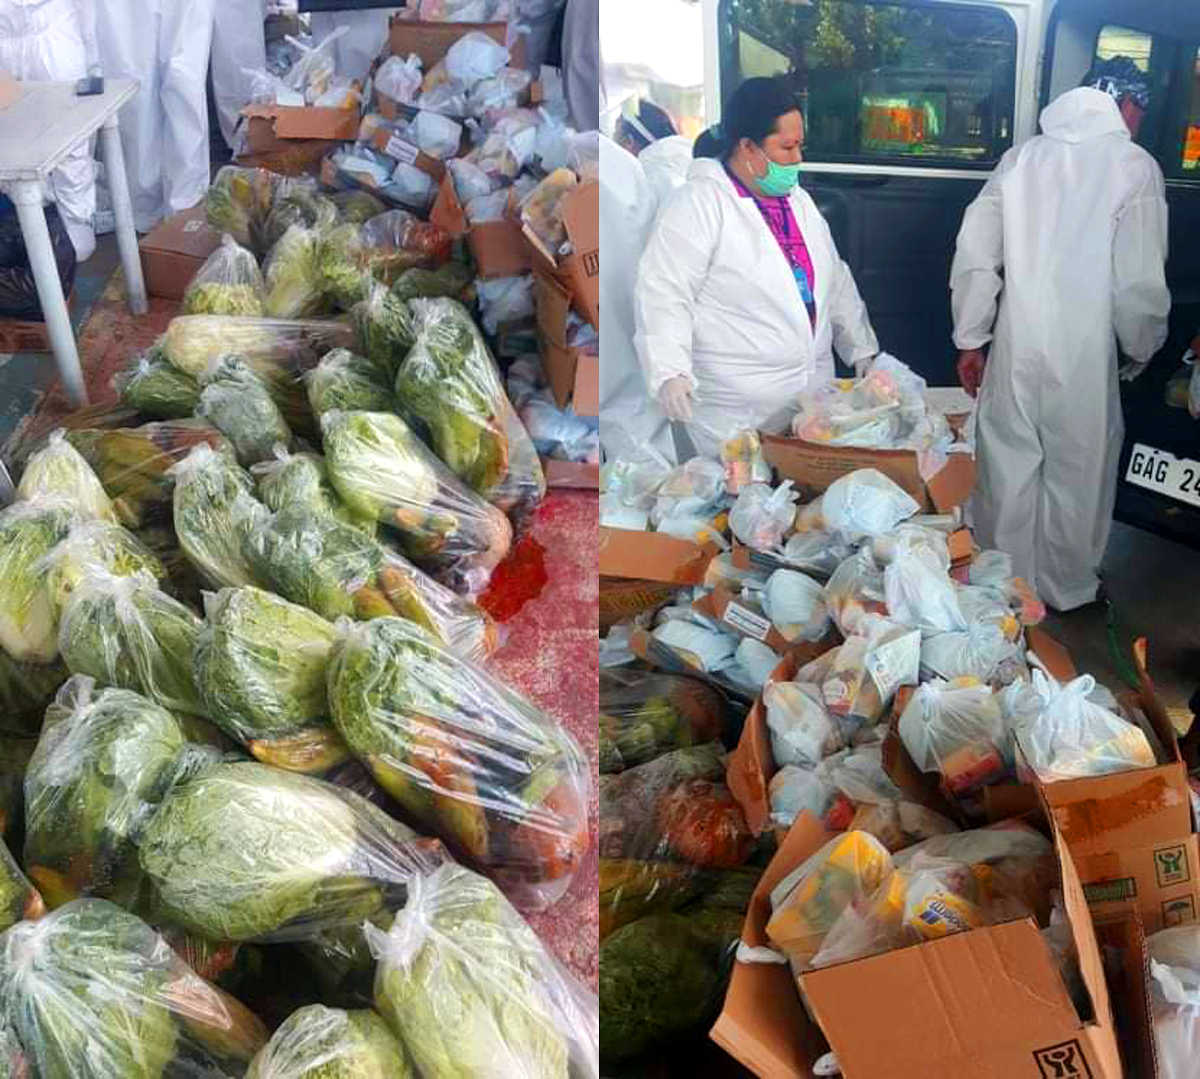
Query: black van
{"x": 908, "y": 105}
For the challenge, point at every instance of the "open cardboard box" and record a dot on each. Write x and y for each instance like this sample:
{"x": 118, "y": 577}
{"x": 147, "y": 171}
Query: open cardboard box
{"x": 652, "y": 556}
{"x": 269, "y": 125}
{"x": 960, "y": 544}
{"x": 175, "y": 249}
{"x": 573, "y": 372}
{"x": 742, "y": 617}
{"x": 432, "y": 40}
{"x": 496, "y": 246}
{"x": 399, "y": 148}
{"x": 579, "y": 272}
{"x": 581, "y": 474}
{"x": 813, "y": 466}
{"x": 987, "y": 1002}
{"x": 333, "y": 177}
{"x": 621, "y": 599}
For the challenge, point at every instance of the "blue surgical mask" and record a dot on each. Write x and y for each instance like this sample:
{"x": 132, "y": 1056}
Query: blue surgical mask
{"x": 779, "y": 179}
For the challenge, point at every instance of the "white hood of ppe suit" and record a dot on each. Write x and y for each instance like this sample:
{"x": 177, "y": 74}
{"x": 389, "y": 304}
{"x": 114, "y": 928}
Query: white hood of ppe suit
{"x": 717, "y": 303}
{"x": 666, "y": 163}
{"x": 1059, "y": 258}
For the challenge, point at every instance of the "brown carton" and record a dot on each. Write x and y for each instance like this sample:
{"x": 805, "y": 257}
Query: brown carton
{"x": 573, "y": 372}
{"x": 621, "y": 599}
{"x": 397, "y": 147}
{"x": 813, "y": 466}
{"x": 432, "y": 40}
{"x": 175, "y": 249}
{"x": 582, "y": 474}
{"x": 269, "y": 125}
{"x": 291, "y": 157}
{"x": 496, "y": 246}
{"x": 742, "y": 617}
{"x": 1161, "y": 881}
{"x": 988, "y": 1002}
{"x": 652, "y": 556}
{"x": 579, "y": 272}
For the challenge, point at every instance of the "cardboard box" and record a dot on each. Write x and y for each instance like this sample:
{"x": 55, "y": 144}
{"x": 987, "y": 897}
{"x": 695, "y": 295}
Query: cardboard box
{"x": 293, "y": 157}
{"x": 813, "y": 466}
{"x": 1161, "y": 881}
{"x": 741, "y": 617}
{"x": 988, "y": 1002}
{"x": 573, "y": 372}
{"x": 621, "y": 599}
{"x": 571, "y": 474}
{"x": 579, "y": 272}
{"x": 432, "y": 40}
{"x": 269, "y": 125}
{"x": 652, "y": 556}
{"x": 496, "y": 246}
{"x": 395, "y": 146}
{"x": 1127, "y": 972}
{"x": 25, "y": 335}
{"x": 175, "y": 249}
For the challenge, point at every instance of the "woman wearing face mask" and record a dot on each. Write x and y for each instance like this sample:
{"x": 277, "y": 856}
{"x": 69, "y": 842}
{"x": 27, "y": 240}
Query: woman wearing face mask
{"x": 741, "y": 294}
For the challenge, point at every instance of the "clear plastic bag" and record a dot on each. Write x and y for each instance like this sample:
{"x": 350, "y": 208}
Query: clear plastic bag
{"x": 302, "y": 480}
{"x": 753, "y": 664}
{"x": 349, "y": 382}
{"x": 315, "y": 1040}
{"x": 700, "y": 648}
{"x": 437, "y": 135}
{"x": 742, "y": 458}
{"x": 380, "y": 467}
{"x": 474, "y": 57}
{"x": 794, "y": 790}
{"x": 464, "y": 754}
{"x": 503, "y": 90}
{"x": 93, "y": 992}
{"x": 859, "y": 504}
{"x": 29, "y": 531}
{"x": 504, "y": 300}
{"x": 855, "y": 593}
{"x": 229, "y": 283}
{"x": 215, "y": 514}
{"x": 236, "y": 402}
{"x": 298, "y": 201}
{"x": 261, "y": 664}
{"x": 470, "y": 181}
{"x": 293, "y": 276}
{"x": 795, "y": 603}
{"x": 335, "y": 569}
{"x": 93, "y": 546}
{"x": 542, "y": 209}
{"x": 399, "y": 78}
{"x": 644, "y": 714}
{"x": 239, "y": 202}
{"x": 959, "y": 732}
{"x": 125, "y": 632}
{"x": 395, "y": 241}
{"x": 817, "y": 553}
{"x": 458, "y": 947}
{"x": 153, "y": 386}
{"x": 59, "y": 471}
{"x": 802, "y": 731}
{"x": 859, "y": 678}
{"x": 762, "y": 516}
{"x": 557, "y": 432}
{"x": 449, "y": 389}
{"x": 980, "y": 651}
{"x": 1175, "y": 999}
{"x": 385, "y": 329}
{"x": 919, "y": 593}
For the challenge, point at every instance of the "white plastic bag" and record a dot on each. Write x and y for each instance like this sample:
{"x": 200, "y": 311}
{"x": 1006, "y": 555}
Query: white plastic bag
{"x": 411, "y": 186}
{"x": 802, "y": 731}
{"x": 958, "y": 732}
{"x": 794, "y": 790}
{"x": 504, "y": 299}
{"x": 486, "y": 208}
{"x": 475, "y": 57}
{"x": 815, "y": 552}
{"x": 1175, "y": 999}
{"x": 705, "y": 649}
{"x": 470, "y": 181}
{"x": 861, "y": 503}
{"x": 400, "y": 79}
{"x": 855, "y": 593}
{"x": 435, "y": 134}
{"x": 980, "y": 651}
{"x": 795, "y": 604}
{"x": 761, "y": 517}
{"x": 756, "y": 660}
{"x": 919, "y": 593}
{"x": 502, "y": 91}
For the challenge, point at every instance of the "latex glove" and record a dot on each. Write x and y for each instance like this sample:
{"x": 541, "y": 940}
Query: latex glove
{"x": 971, "y": 363}
{"x": 1130, "y": 370}
{"x": 675, "y": 398}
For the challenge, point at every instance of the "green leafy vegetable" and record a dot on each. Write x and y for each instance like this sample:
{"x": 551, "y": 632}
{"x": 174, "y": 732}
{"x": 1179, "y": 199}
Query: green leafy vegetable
{"x": 237, "y": 403}
{"x": 294, "y": 275}
{"x": 97, "y": 546}
{"x": 153, "y": 386}
{"x": 301, "y": 480}
{"x": 385, "y": 328}
{"x": 327, "y": 1043}
{"x": 452, "y": 279}
{"x": 28, "y": 616}
{"x": 239, "y": 203}
{"x": 58, "y": 471}
{"x": 346, "y": 381}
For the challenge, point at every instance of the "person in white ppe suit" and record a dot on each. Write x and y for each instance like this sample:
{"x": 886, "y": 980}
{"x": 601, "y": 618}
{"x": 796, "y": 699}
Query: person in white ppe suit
{"x": 741, "y": 293}
{"x": 1059, "y": 260}
{"x": 648, "y": 133}
{"x": 47, "y": 40}
{"x": 239, "y": 48}
{"x": 165, "y": 45}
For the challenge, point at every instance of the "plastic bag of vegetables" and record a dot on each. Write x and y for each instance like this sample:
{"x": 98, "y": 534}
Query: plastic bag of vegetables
{"x": 644, "y": 714}
{"x": 260, "y": 664}
{"x": 93, "y": 546}
{"x": 449, "y": 389}
{"x": 59, "y": 471}
{"x": 94, "y": 993}
{"x": 18, "y": 898}
{"x": 243, "y": 851}
{"x": 463, "y": 754}
{"x": 152, "y": 385}
{"x": 302, "y": 480}
{"x": 458, "y": 949}
{"x": 104, "y": 758}
{"x": 124, "y": 631}
{"x": 385, "y": 327}
{"x": 28, "y": 616}
{"x": 229, "y": 283}
{"x": 239, "y": 202}
{"x": 344, "y": 380}
{"x": 294, "y": 279}
{"x": 452, "y": 279}
{"x": 356, "y": 206}
{"x": 380, "y": 467}
{"x": 236, "y": 402}
{"x": 335, "y": 569}
{"x": 215, "y": 514}
{"x": 15, "y": 750}
{"x": 298, "y": 201}
{"x": 328, "y": 1043}
{"x": 396, "y": 241}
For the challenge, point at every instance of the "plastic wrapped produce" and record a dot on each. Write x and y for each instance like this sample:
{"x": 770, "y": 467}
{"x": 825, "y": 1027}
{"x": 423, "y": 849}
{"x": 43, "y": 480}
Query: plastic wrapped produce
{"x": 802, "y": 731}
{"x": 124, "y": 632}
{"x": 323, "y": 857}
{"x": 28, "y": 615}
{"x": 335, "y": 569}
{"x": 344, "y": 380}
{"x": 1073, "y": 737}
{"x": 396, "y": 241}
{"x": 239, "y": 202}
{"x": 448, "y": 387}
{"x": 293, "y": 277}
{"x": 356, "y": 207}
{"x": 458, "y": 948}
{"x": 18, "y": 898}
{"x": 385, "y": 327}
{"x": 1175, "y": 999}
{"x": 229, "y": 283}
{"x": 795, "y": 604}
{"x": 298, "y": 202}
{"x": 93, "y": 993}
{"x": 236, "y": 402}
{"x": 260, "y": 664}
{"x": 645, "y": 714}
{"x": 380, "y": 467}
{"x": 215, "y": 514}
{"x": 957, "y": 731}
{"x": 861, "y": 503}
{"x": 302, "y": 480}
{"x": 58, "y": 471}
{"x": 328, "y": 1043}
{"x": 81, "y": 821}
{"x": 92, "y": 546}
{"x": 761, "y": 517}
{"x": 463, "y": 754}
{"x": 452, "y": 279}
{"x": 152, "y": 385}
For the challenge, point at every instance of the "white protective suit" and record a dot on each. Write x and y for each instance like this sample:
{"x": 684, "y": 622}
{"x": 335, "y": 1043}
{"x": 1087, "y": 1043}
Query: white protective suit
{"x": 355, "y": 50}
{"x": 666, "y": 163}
{"x": 581, "y": 63}
{"x": 164, "y": 44}
{"x": 627, "y": 209}
{"x": 45, "y": 39}
{"x": 716, "y": 302}
{"x": 239, "y": 46}
{"x": 1076, "y": 222}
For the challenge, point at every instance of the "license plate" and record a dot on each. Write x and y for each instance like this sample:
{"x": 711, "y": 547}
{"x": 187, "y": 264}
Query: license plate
{"x": 1157, "y": 470}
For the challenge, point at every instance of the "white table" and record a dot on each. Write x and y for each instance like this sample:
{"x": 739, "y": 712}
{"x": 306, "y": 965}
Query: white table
{"x": 37, "y": 131}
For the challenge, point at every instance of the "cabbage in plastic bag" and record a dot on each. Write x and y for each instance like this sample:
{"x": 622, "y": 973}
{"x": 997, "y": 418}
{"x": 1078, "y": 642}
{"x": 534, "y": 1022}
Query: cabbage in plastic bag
{"x": 58, "y": 471}
{"x": 351, "y": 383}
{"x": 463, "y": 754}
{"x": 236, "y": 402}
{"x": 28, "y": 614}
{"x": 229, "y": 283}
{"x": 152, "y": 385}
{"x": 301, "y": 480}
{"x": 379, "y": 467}
{"x": 316, "y": 1042}
{"x": 385, "y": 327}
{"x": 645, "y": 714}
{"x": 239, "y": 201}
{"x": 93, "y": 546}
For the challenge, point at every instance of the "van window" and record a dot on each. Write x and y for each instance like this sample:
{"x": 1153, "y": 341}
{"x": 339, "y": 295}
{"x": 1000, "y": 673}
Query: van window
{"x": 883, "y": 82}
{"x": 1115, "y": 41}
{"x": 1191, "y": 139}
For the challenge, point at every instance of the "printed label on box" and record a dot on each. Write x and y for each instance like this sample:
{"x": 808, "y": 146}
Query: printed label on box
{"x": 746, "y": 621}
{"x": 401, "y": 150}
{"x": 1171, "y": 865}
{"x": 1062, "y": 1061}
{"x": 195, "y": 225}
{"x": 1179, "y": 911}
{"x": 1111, "y": 891}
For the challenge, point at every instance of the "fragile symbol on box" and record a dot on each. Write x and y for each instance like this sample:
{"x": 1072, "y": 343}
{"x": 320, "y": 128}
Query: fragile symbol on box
{"x": 1171, "y": 865}
{"x": 1179, "y": 911}
{"x": 1062, "y": 1061}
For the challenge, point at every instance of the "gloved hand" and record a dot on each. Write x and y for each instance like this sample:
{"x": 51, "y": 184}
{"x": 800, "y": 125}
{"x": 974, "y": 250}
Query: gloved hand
{"x": 971, "y": 363}
{"x": 1130, "y": 370}
{"x": 675, "y": 398}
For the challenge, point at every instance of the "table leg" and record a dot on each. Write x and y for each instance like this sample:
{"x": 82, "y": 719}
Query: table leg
{"x": 27, "y": 196}
{"x": 118, "y": 190}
